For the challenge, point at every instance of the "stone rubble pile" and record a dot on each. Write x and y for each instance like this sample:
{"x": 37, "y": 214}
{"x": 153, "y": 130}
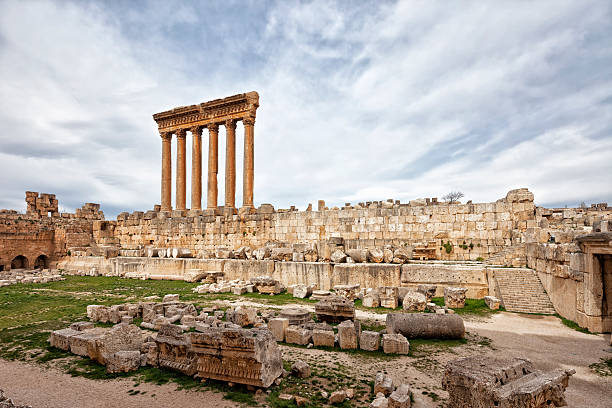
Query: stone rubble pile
{"x": 16, "y": 276}
{"x": 389, "y": 396}
{"x": 6, "y": 402}
{"x": 487, "y": 381}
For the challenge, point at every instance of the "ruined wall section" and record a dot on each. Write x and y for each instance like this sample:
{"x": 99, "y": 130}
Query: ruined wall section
{"x": 469, "y": 231}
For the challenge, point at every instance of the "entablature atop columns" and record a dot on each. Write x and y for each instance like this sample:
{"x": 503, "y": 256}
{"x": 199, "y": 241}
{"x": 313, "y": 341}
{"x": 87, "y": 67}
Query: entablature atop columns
{"x": 218, "y": 111}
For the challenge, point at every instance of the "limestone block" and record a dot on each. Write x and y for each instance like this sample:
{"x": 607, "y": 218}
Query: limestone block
{"x": 383, "y": 384}
{"x": 492, "y": 302}
{"x": 426, "y": 325}
{"x": 414, "y": 301}
{"x": 188, "y": 320}
{"x": 380, "y": 402}
{"x": 347, "y": 291}
{"x": 325, "y": 338}
{"x": 121, "y": 337}
{"x": 347, "y": 335}
{"x": 98, "y": 313}
{"x": 123, "y": 361}
{"x": 428, "y": 290}
{"x": 265, "y": 284}
{"x": 311, "y": 255}
{"x": 402, "y": 255}
{"x": 171, "y": 298}
{"x": 302, "y": 291}
{"x": 297, "y": 335}
{"x": 369, "y": 340}
{"x": 454, "y": 297}
{"x": 298, "y": 257}
{"x": 358, "y": 255}
{"x": 300, "y": 369}
{"x": 278, "y": 326}
{"x": 338, "y": 256}
{"x": 335, "y": 309}
{"x": 281, "y": 254}
{"x": 297, "y": 316}
{"x": 127, "y": 319}
{"x": 376, "y": 255}
{"x": 395, "y": 344}
{"x": 371, "y": 299}
{"x": 388, "y": 297}
{"x": 387, "y": 255}
{"x": 61, "y": 338}
{"x": 239, "y": 290}
{"x": 262, "y": 253}
{"x": 337, "y": 397}
{"x": 400, "y": 398}
{"x": 80, "y": 326}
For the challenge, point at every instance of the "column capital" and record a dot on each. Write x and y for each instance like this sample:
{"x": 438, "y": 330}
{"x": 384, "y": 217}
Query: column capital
{"x": 213, "y": 127}
{"x": 248, "y": 121}
{"x": 166, "y": 136}
{"x": 230, "y": 124}
{"x": 180, "y": 133}
{"x": 196, "y": 130}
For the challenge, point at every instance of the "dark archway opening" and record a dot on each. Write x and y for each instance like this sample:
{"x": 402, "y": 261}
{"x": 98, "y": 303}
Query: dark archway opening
{"x": 19, "y": 262}
{"x": 42, "y": 262}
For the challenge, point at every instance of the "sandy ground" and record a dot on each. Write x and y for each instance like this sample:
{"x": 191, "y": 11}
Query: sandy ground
{"x": 543, "y": 339}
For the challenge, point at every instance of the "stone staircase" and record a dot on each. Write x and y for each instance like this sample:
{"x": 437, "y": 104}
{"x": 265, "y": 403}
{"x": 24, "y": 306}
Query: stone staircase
{"x": 521, "y": 291}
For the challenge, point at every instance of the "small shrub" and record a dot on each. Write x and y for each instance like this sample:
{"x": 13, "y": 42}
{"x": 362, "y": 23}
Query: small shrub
{"x": 480, "y": 259}
{"x": 448, "y": 247}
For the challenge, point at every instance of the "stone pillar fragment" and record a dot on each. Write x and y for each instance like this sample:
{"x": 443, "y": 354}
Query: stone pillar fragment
{"x": 213, "y": 164}
{"x": 196, "y": 168}
{"x": 181, "y": 170}
{"x": 230, "y": 164}
{"x": 249, "y": 159}
{"x": 166, "y": 179}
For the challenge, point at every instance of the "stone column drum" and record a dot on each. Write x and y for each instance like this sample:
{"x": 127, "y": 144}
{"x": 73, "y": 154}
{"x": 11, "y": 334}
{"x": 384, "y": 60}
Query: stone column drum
{"x": 213, "y": 164}
{"x": 249, "y": 159}
{"x": 181, "y": 170}
{"x": 196, "y": 168}
{"x": 166, "y": 179}
{"x": 230, "y": 164}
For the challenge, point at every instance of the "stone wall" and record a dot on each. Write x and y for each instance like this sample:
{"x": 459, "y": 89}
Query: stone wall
{"x": 436, "y": 230}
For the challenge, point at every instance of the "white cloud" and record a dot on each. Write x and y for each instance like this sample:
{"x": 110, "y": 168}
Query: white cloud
{"x": 380, "y": 100}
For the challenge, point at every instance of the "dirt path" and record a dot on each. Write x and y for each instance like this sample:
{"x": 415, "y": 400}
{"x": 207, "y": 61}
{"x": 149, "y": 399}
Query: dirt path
{"x": 34, "y": 385}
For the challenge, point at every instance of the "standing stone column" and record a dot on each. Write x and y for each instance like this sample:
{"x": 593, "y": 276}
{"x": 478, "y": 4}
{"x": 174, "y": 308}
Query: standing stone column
{"x": 213, "y": 164}
{"x": 230, "y": 164}
{"x": 166, "y": 178}
{"x": 196, "y": 168}
{"x": 181, "y": 170}
{"x": 249, "y": 158}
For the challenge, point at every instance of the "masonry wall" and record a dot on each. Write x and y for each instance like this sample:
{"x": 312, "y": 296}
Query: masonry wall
{"x": 469, "y": 231}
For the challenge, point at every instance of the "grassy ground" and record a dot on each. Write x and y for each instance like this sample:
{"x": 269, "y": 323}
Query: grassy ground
{"x": 29, "y": 312}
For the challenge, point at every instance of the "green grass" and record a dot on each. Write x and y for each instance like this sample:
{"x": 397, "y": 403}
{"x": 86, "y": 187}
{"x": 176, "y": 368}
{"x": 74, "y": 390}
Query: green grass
{"x": 573, "y": 325}
{"x": 603, "y": 368}
{"x": 473, "y": 307}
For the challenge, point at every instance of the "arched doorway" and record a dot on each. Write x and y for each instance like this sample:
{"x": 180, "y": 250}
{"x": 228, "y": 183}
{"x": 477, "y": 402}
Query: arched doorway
{"x": 19, "y": 262}
{"x": 42, "y": 262}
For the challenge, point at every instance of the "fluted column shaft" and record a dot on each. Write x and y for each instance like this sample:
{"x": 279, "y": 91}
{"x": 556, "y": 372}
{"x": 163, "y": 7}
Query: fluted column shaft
{"x": 213, "y": 164}
{"x": 166, "y": 178}
{"x": 181, "y": 170}
{"x": 196, "y": 168}
{"x": 230, "y": 164}
{"x": 249, "y": 159}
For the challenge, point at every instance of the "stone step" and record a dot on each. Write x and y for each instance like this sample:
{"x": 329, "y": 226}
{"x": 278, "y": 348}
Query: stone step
{"x": 521, "y": 291}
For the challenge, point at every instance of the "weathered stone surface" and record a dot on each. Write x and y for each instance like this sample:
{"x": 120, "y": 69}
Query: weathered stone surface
{"x": 388, "y": 297}
{"x": 383, "y": 384}
{"x": 298, "y": 335}
{"x": 170, "y": 298}
{"x": 492, "y": 302}
{"x": 337, "y": 397}
{"x": 414, "y": 301}
{"x": 338, "y": 256}
{"x": 371, "y": 299}
{"x": 325, "y": 338}
{"x": 428, "y": 290}
{"x": 98, "y": 313}
{"x": 80, "y": 326}
{"x": 302, "y": 291}
{"x": 376, "y": 255}
{"x": 426, "y": 325}
{"x": 278, "y": 327}
{"x": 402, "y": 255}
{"x": 265, "y": 284}
{"x": 243, "y": 316}
{"x": 347, "y": 335}
{"x": 245, "y": 356}
{"x": 281, "y": 254}
{"x": 348, "y": 291}
{"x": 300, "y": 369}
{"x": 454, "y": 297}
{"x": 400, "y": 398}
{"x": 369, "y": 340}
{"x": 81, "y": 343}
{"x": 123, "y": 361}
{"x": 379, "y": 402}
{"x": 61, "y": 338}
{"x": 335, "y": 309}
{"x": 121, "y": 337}
{"x": 488, "y": 381}
{"x": 358, "y": 255}
{"x": 296, "y": 316}
{"x": 320, "y": 294}
{"x": 395, "y": 344}
{"x": 262, "y": 253}
{"x": 174, "y": 350}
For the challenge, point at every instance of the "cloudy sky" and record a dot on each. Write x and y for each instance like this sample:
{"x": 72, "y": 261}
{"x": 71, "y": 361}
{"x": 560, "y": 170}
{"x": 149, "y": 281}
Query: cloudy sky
{"x": 359, "y": 100}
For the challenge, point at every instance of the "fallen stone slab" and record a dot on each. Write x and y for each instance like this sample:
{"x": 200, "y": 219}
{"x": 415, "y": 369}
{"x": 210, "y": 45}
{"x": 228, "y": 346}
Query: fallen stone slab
{"x": 295, "y": 315}
{"x": 369, "y": 340}
{"x": 426, "y": 325}
{"x": 347, "y": 335}
{"x": 492, "y": 302}
{"x": 278, "y": 327}
{"x": 383, "y": 384}
{"x": 395, "y": 344}
{"x": 488, "y": 381}
{"x": 325, "y": 338}
{"x": 454, "y": 297}
{"x": 298, "y": 335}
{"x": 400, "y": 398}
{"x": 335, "y": 309}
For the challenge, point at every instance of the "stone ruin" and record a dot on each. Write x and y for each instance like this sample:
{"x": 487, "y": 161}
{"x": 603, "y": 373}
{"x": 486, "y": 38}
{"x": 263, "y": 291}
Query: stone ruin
{"x": 41, "y": 204}
{"x": 486, "y": 381}
{"x": 216, "y": 350}
{"x": 426, "y": 325}
{"x": 33, "y": 276}
{"x": 335, "y": 309}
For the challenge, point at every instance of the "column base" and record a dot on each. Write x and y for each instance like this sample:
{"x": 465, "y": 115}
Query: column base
{"x": 246, "y": 210}
{"x": 196, "y": 212}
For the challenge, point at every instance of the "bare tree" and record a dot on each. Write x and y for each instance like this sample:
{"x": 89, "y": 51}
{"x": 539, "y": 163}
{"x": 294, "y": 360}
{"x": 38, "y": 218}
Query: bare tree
{"x": 583, "y": 205}
{"x": 453, "y": 196}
